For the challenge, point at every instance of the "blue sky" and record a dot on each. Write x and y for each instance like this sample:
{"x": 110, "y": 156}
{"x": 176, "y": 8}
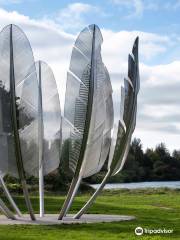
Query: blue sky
{"x": 156, "y": 16}
{"x": 161, "y": 16}
{"x": 52, "y": 27}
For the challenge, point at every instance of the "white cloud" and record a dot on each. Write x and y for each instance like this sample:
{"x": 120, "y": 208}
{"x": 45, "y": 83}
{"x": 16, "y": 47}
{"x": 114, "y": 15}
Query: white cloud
{"x": 163, "y": 75}
{"x": 72, "y": 17}
{"x": 159, "y": 111}
{"x": 159, "y": 98}
{"x": 48, "y": 41}
{"x": 152, "y": 138}
{"x": 117, "y": 45}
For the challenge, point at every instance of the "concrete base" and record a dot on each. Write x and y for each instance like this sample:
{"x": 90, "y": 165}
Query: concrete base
{"x": 50, "y": 219}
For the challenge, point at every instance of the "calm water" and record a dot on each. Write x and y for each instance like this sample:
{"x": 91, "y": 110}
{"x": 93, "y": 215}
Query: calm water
{"x": 171, "y": 184}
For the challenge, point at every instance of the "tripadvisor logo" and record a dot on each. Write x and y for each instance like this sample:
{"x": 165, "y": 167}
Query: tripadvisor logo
{"x": 139, "y": 231}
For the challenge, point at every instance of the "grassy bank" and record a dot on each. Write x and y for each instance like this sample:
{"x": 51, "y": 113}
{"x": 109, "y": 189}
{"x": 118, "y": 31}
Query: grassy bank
{"x": 153, "y": 209}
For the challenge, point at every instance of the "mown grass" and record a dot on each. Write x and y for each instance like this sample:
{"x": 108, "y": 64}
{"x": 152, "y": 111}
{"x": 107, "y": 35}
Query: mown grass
{"x": 153, "y": 209}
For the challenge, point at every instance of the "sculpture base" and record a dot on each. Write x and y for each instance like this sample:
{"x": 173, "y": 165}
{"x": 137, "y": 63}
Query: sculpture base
{"x": 50, "y": 219}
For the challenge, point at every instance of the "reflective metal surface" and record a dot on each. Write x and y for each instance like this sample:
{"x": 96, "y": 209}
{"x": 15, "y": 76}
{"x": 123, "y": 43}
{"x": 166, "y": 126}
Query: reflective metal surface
{"x": 49, "y": 128}
{"x": 88, "y": 97}
{"x": 122, "y": 134}
{"x": 19, "y": 122}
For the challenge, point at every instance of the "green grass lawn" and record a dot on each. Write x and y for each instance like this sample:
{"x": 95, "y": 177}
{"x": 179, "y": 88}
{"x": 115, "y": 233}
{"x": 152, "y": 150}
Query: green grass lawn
{"x": 153, "y": 209}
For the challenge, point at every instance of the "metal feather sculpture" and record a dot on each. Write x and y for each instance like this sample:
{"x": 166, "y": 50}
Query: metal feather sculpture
{"x": 4, "y": 107}
{"x": 123, "y": 132}
{"x": 8, "y": 195}
{"x": 20, "y": 117}
{"x": 49, "y": 126}
{"x": 87, "y": 95}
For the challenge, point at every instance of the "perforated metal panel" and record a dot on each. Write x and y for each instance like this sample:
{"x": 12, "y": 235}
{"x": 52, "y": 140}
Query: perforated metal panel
{"x": 128, "y": 113}
{"x": 103, "y": 117}
{"x": 87, "y": 70}
{"x": 26, "y": 92}
{"x": 51, "y": 118}
{"x": 77, "y": 94}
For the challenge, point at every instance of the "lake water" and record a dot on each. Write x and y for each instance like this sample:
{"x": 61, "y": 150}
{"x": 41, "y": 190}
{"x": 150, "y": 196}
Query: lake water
{"x": 168, "y": 184}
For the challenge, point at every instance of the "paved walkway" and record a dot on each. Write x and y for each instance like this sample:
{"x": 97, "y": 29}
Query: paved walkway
{"x": 51, "y": 219}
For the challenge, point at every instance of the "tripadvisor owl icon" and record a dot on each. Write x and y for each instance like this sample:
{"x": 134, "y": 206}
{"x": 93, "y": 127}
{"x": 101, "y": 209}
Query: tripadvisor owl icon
{"x": 139, "y": 231}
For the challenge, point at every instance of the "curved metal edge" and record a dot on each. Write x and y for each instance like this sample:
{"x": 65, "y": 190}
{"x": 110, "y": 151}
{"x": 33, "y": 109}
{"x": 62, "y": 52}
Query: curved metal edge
{"x": 130, "y": 128}
{"x": 70, "y": 196}
{"x": 97, "y": 192}
{"x": 40, "y": 138}
{"x": 16, "y": 133}
{"x": 93, "y": 197}
{"x": 9, "y": 197}
{"x": 6, "y": 210}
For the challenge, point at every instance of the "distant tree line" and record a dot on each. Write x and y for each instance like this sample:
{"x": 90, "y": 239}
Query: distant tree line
{"x": 149, "y": 165}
